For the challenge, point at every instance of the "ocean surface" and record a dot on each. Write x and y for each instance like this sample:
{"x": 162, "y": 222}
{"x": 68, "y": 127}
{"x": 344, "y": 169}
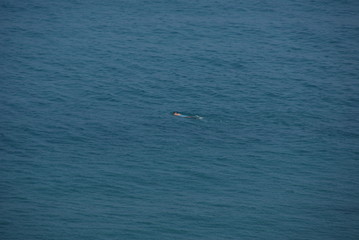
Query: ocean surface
{"x": 89, "y": 149}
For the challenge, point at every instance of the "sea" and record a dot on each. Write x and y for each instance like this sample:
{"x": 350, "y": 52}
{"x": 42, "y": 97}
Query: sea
{"x": 90, "y": 150}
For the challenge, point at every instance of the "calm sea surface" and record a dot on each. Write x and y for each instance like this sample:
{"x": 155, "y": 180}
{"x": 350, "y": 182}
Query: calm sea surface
{"x": 89, "y": 149}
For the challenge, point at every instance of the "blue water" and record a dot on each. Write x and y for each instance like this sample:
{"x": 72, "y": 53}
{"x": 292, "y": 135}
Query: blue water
{"x": 89, "y": 149}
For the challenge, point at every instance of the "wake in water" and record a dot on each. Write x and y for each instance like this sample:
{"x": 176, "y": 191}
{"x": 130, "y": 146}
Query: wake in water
{"x": 186, "y": 116}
